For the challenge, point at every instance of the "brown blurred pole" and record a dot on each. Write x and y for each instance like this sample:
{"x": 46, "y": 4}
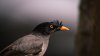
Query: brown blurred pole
{"x": 88, "y": 32}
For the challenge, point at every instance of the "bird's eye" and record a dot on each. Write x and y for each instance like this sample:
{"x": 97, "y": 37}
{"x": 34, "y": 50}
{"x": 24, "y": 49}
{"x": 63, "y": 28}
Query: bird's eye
{"x": 51, "y": 26}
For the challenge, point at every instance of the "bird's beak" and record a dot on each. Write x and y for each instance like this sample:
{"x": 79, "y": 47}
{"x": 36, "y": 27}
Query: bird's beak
{"x": 63, "y": 28}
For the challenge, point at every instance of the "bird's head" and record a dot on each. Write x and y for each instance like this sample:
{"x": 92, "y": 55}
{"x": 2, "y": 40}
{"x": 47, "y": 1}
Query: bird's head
{"x": 47, "y": 28}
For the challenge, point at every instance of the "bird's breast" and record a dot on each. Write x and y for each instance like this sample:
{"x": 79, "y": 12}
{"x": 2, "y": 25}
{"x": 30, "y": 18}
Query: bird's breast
{"x": 45, "y": 45}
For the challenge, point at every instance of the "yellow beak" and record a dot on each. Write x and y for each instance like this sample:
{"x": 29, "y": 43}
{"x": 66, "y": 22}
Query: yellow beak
{"x": 63, "y": 28}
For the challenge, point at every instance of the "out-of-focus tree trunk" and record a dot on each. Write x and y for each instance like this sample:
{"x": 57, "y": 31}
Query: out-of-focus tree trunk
{"x": 88, "y": 34}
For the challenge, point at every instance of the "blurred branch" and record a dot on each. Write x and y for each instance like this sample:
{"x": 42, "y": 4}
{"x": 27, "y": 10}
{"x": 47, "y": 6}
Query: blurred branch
{"x": 88, "y": 34}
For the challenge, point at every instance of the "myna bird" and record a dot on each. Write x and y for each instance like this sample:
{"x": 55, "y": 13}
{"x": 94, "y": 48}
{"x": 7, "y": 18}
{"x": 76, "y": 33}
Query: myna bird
{"x": 36, "y": 43}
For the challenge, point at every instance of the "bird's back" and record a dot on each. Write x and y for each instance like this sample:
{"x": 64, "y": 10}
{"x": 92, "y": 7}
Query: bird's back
{"x": 29, "y": 44}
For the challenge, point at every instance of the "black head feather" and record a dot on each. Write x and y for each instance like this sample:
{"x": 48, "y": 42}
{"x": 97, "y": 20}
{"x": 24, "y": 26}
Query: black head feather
{"x": 56, "y": 22}
{"x": 44, "y": 28}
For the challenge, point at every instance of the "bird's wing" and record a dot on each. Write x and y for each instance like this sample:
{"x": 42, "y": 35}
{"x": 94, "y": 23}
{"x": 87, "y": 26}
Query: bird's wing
{"x": 29, "y": 44}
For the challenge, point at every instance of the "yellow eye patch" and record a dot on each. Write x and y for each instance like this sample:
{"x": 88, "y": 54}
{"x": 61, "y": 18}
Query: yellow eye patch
{"x": 51, "y": 26}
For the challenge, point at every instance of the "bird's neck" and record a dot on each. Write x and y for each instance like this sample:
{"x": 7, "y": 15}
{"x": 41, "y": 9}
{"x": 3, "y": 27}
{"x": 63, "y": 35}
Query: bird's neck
{"x": 40, "y": 34}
